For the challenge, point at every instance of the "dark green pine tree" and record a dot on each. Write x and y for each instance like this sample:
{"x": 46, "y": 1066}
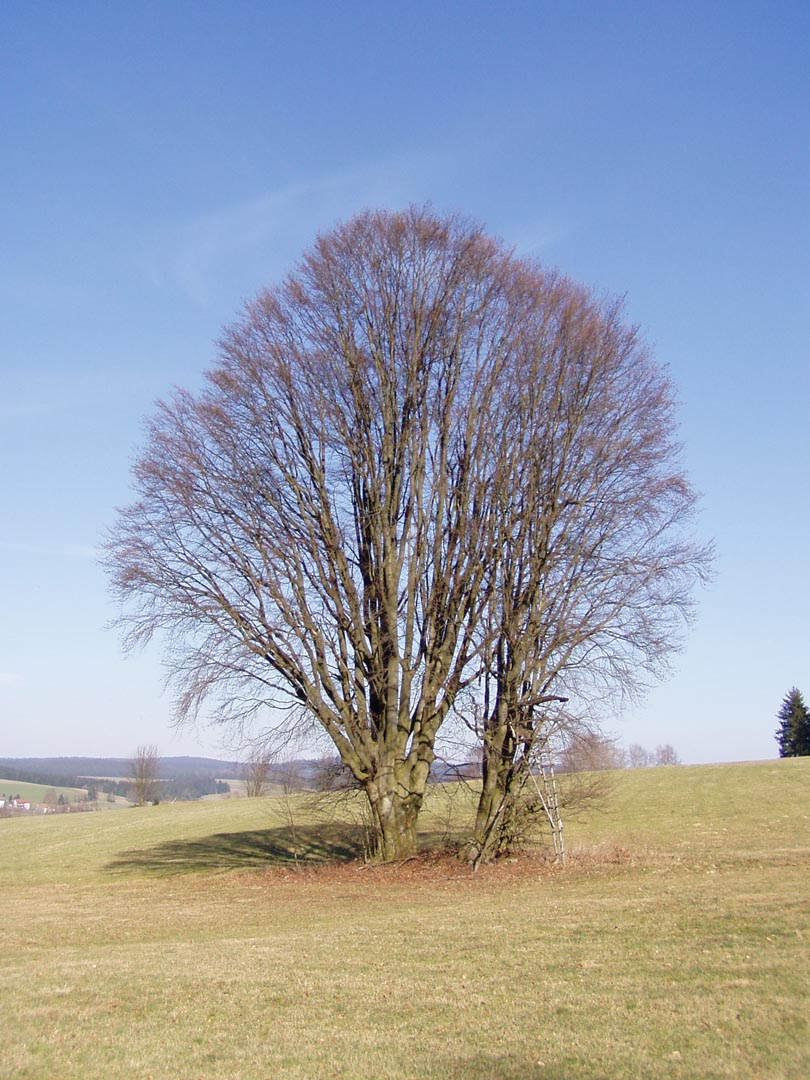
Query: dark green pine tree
{"x": 793, "y": 733}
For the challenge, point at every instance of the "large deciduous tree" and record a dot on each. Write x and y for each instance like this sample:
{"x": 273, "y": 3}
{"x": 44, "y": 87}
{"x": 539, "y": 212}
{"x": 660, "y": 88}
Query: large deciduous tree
{"x": 793, "y": 733}
{"x": 420, "y": 462}
{"x": 595, "y": 566}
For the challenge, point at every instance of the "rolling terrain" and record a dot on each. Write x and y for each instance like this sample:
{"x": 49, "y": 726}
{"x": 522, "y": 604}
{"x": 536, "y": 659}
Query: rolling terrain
{"x": 221, "y": 939}
{"x": 37, "y": 792}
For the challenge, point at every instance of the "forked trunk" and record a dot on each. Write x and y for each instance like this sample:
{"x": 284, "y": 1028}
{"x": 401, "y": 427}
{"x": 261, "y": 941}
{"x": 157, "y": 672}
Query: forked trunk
{"x": 494, "y": 821}
{"x": 394, "y": 825}
{"x": 491, "y": 832}
{"x": 395, "y": 798}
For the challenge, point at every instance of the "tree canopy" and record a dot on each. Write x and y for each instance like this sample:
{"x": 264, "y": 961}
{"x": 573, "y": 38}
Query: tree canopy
{"x": 793, "y": 733}
{"x": 425, "y": 476}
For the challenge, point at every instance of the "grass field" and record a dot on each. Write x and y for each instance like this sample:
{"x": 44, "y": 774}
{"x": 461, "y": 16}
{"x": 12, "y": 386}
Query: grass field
{"x": 36, "y": 792}
{"x": 183, "y": 941}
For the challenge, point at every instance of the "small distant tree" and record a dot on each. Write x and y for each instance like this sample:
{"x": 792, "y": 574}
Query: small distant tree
{"x": 666, "y": 755}
{"x": 50, "y": 798}
{"x": 793, "y": 733}
{"x": 638, "y": 757}
{"x": 257, "y": 773}
{"x": 330, "y": 774}
{"x": 589, "y": 751}
{"x": 144, "y": 767}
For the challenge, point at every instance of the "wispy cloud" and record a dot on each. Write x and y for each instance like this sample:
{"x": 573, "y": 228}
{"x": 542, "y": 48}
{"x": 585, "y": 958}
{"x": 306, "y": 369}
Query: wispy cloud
{"x": 7, "y": 678}
{"x": 267, "y": 233}
{"x": 239, "y": 246}
{"x": 51, "y": 548}
{"x": 259, "y": 239}
{"x": 32, "y": 392}
{"x": 27, "y": 408}
{"x": 539, "y": 236}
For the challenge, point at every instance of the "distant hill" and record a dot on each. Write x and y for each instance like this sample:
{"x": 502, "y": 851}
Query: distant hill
{"x": 299, "y": 774}
{"x": 37, "y": 793}
{"x": 67, "y": 770}
{"x": 171, "y": 768}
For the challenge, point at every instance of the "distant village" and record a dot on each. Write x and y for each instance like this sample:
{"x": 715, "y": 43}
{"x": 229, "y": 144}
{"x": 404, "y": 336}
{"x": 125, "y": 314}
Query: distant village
{"x": 15, "y": 804}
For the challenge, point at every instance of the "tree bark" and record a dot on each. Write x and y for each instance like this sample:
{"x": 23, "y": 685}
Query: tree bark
{"x": 492, "y": 832}
{"x": 395, "y": 796}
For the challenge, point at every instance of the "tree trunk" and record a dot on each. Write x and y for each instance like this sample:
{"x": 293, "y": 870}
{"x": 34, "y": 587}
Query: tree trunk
{"x": 394, "y": 826}
{"x": 395, "y": 797}
{"x": 493, "y": 831}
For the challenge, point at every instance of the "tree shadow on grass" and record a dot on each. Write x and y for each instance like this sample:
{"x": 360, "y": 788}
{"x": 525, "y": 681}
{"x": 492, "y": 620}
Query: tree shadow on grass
{"x": 256, "y": 848}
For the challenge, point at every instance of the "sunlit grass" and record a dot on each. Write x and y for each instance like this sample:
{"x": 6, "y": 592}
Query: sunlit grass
{"x": 676, "y": 943}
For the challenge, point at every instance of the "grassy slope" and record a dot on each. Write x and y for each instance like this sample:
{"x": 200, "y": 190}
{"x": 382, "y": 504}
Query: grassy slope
{"x": 152, "y": 943}
{"x": 36, "y": 792}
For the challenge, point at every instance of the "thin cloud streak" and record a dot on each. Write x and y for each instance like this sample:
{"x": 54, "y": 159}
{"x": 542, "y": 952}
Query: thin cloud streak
{"x": 535, "y": 238}
{"x": 53, "y": 549}
{"x": 274, "y": 227}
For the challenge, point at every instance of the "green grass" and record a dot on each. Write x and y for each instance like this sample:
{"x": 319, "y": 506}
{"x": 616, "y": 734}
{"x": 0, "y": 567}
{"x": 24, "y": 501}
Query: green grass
{"x": 36, "y": 792}
{"x": 184, "y": 941}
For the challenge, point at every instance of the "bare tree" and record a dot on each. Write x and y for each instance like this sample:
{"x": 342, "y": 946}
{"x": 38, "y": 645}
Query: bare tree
{"x": 330, "y": 774}
{"x": 290, "y": 783}
{"x": 405, "y": 474}
{"x": 638, "y": 757}
{"x": 144, "y": 767}
{"x": 586, "y": 751}
{"x": 596, "y": 565}
{"x": 257, "y": 772}
{"x": 310, "y": 530}
{"x": 666, "y": 754}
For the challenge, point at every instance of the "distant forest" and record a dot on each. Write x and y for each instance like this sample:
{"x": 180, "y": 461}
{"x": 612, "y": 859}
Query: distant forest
{"x": 179, "y": 777}
{"x": 188, "y": 788}
{"x": 189, "y": 777}
{"x": 170, "y": 768}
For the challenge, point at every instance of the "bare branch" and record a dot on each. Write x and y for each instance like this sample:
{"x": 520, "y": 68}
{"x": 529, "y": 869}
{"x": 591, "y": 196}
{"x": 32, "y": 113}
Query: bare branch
{"x": 144, "y": 767}
{"x": 419, "y": 462}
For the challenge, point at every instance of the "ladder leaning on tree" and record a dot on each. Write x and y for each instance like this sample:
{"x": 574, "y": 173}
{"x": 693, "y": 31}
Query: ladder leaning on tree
{"x": 545, "y": 783}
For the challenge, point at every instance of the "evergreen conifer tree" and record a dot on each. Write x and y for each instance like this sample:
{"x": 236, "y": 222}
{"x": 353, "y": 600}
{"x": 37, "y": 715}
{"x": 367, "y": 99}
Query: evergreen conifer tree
{"x": 793, "y": 733}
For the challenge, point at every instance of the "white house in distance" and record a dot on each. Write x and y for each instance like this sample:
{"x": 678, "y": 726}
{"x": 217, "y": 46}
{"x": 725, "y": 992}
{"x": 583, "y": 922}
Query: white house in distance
{"x": 7, "y": 803}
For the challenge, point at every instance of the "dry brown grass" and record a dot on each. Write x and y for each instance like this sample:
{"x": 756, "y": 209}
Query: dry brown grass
{"x": 672, "y": 944}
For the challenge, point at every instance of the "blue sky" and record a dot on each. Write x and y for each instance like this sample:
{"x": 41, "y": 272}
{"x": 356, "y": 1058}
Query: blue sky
{"x": 163, "y": 161}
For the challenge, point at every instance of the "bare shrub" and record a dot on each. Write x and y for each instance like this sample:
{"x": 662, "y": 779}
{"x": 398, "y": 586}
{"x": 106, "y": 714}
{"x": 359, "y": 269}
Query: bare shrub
{"x": 144, "y": 766}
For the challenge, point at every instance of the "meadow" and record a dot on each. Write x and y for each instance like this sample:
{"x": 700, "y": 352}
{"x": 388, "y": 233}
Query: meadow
{"x": 38, "y": 792}
{"x": 221, "y": 939}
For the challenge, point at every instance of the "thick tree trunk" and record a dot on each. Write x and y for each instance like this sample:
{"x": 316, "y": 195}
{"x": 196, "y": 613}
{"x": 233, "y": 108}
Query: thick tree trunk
{"x": 394, "y": 823}
{"x": 492, "y": 831}
{"x": 492, "y": 820}
{"x": 490, "y": 806}
{"x": 395, "y": 797}
{"x": 499, "y": 825}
